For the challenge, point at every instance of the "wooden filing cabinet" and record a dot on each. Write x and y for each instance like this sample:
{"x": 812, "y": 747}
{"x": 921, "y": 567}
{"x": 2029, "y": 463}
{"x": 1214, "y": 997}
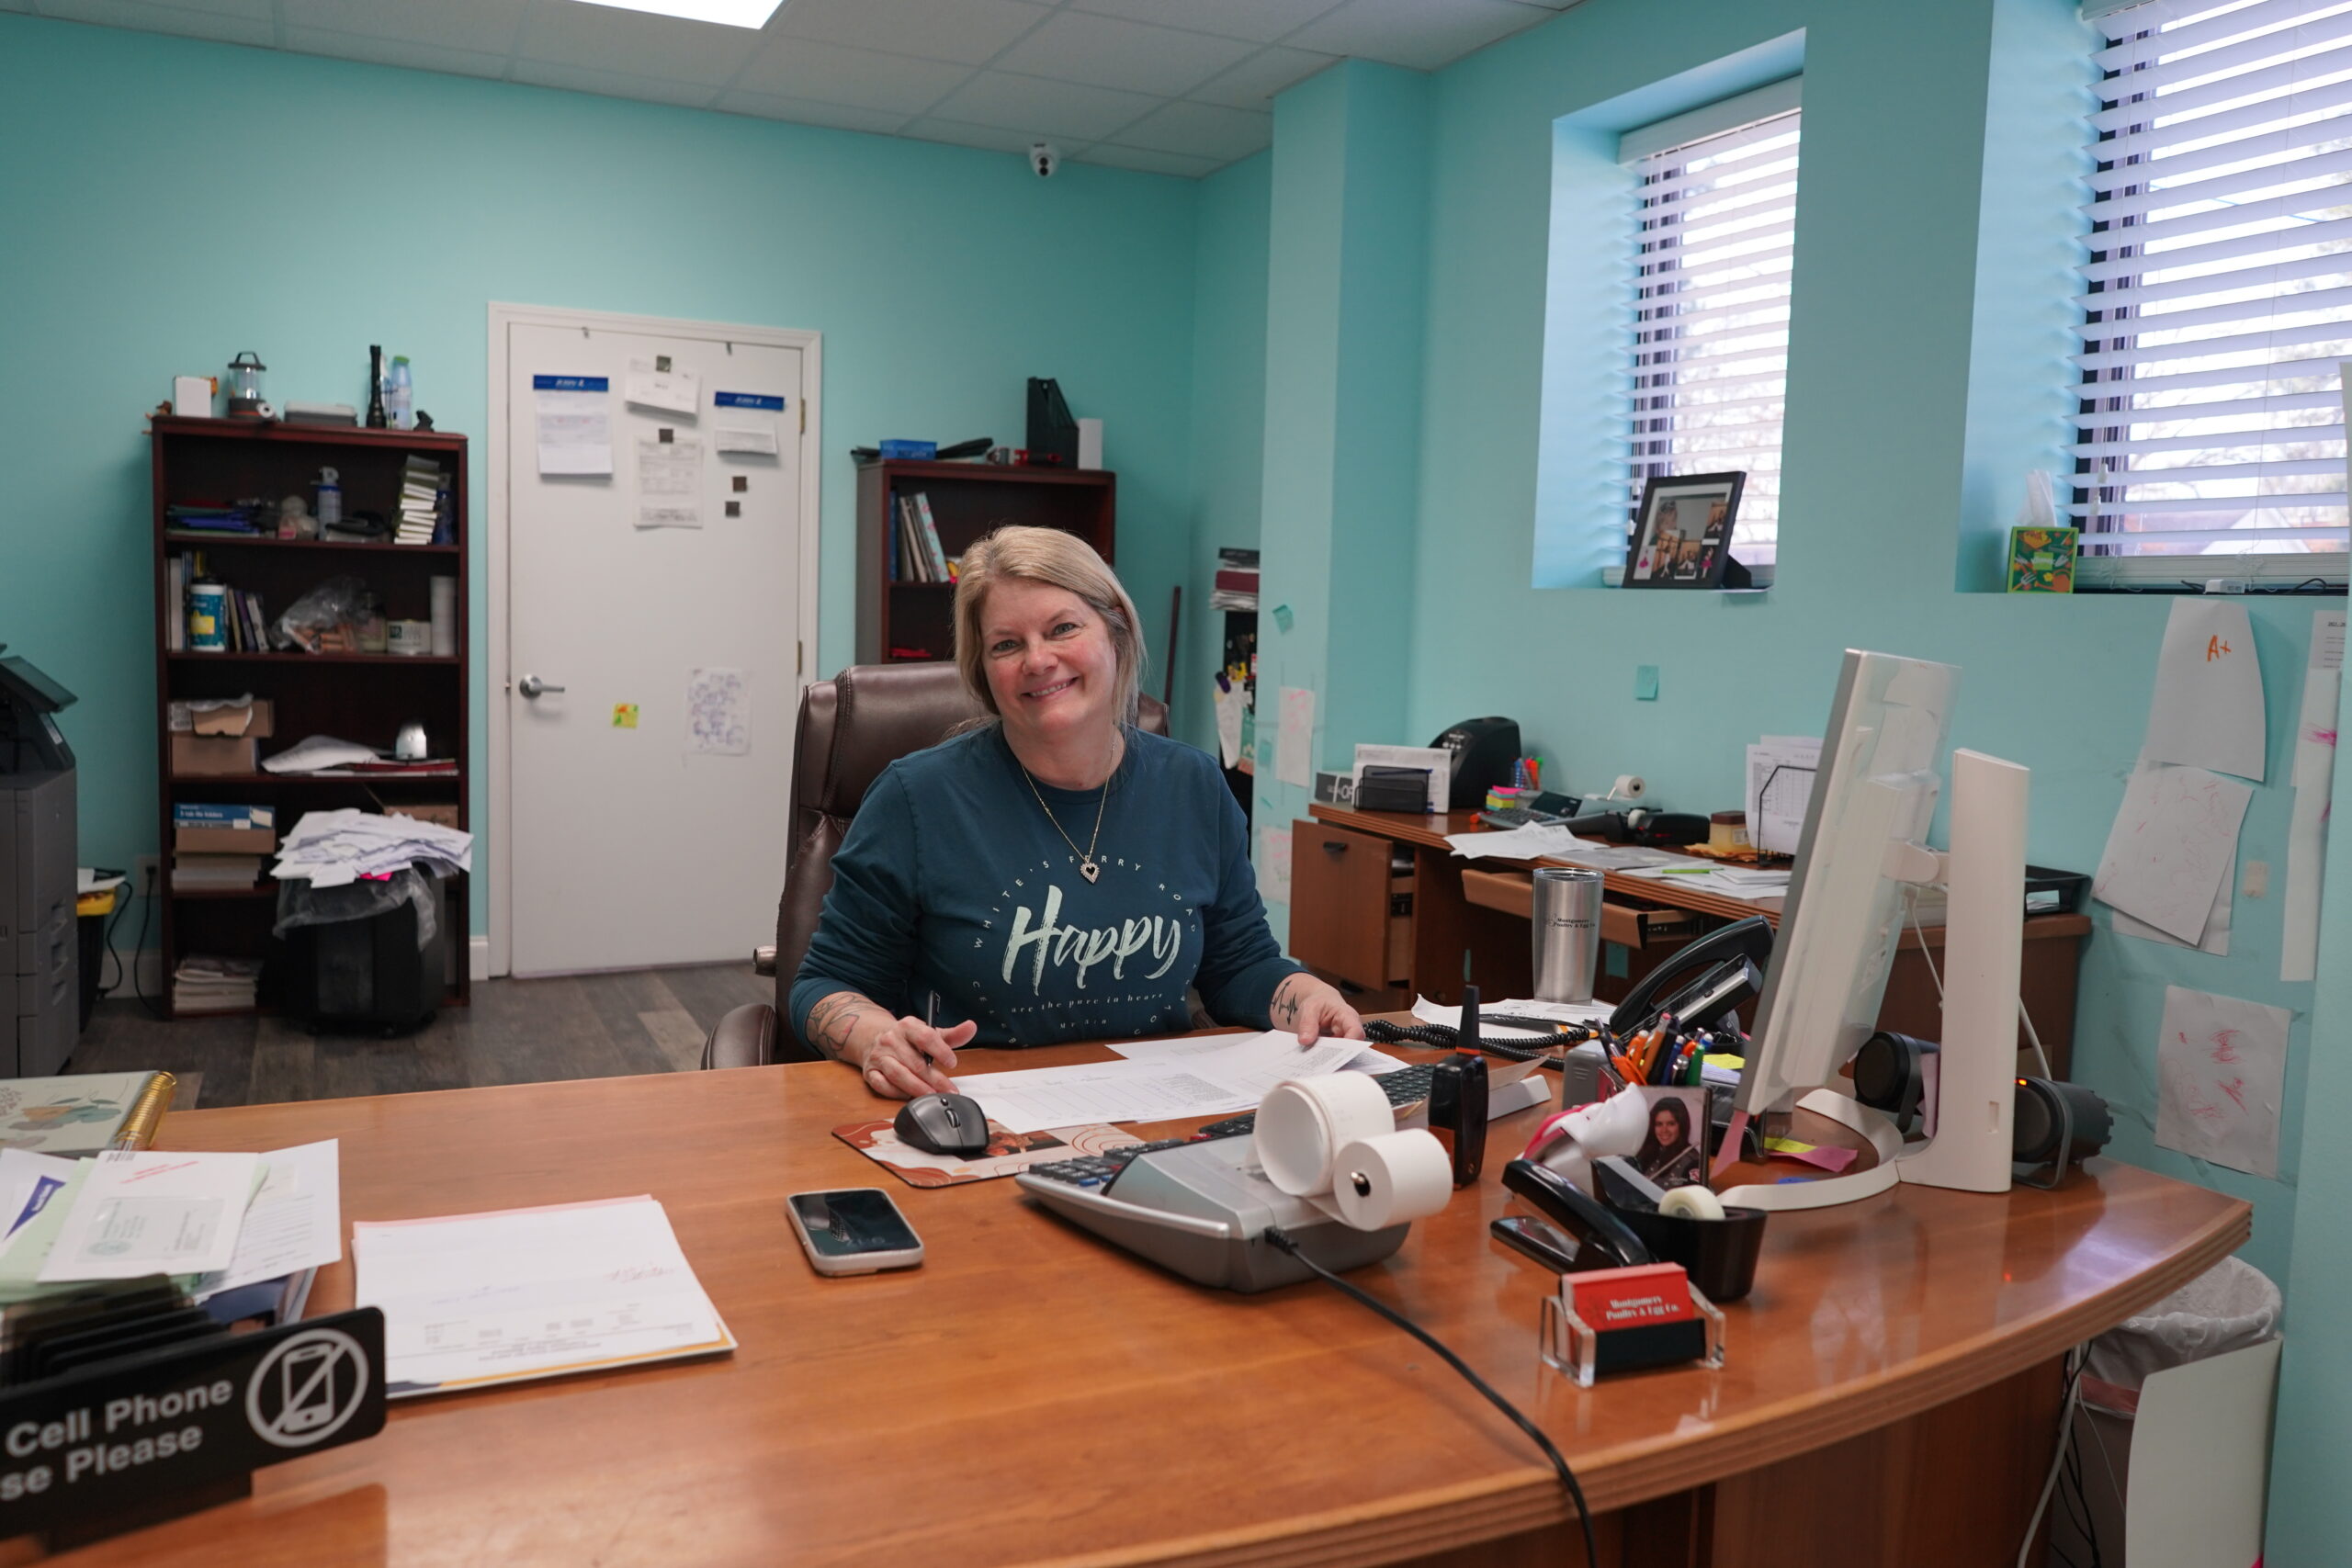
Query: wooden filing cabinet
{"x": 1345, "y": 915}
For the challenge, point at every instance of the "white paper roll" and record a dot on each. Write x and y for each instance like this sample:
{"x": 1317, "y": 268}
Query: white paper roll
{"x": 445, "y": 617}
{"x": 1303, "y": 1121}
{"x": 1629, "y": 786}
{"x": 1392, "y": 1179}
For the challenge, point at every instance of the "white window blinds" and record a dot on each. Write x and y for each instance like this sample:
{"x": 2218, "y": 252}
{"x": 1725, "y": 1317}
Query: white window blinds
{"x": 1715, "y": 233}
{"x": 2217, "y": 297}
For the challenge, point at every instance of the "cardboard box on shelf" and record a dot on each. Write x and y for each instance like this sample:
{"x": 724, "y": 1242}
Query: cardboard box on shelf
{"x": 257, "y": 721}
{"x": 211, "y": 756}
{"x": 439, "y": 815}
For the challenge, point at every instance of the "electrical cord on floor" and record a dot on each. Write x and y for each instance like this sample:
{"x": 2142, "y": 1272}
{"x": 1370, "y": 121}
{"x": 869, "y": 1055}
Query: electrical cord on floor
{"x": 2066, "y": 1406}
{"x": 1281, "y": 1242}
{"x": 138, "y": 987}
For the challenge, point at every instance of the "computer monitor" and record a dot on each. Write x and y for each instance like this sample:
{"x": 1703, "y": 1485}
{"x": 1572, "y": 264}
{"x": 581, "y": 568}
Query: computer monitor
{"x": 1863, "y": 848}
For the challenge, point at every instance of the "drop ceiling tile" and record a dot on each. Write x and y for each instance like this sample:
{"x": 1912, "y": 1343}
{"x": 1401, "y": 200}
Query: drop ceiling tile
{"x": 1422, "y": 34}
{"x": 971, "y": 31}
{"x": 16, "y": 4}
{"x": 988, "y": 137}
{"x": 395, "y": 51}
{"x": 1038, "y": 106}
{"x": 1204, "y": 130}
{"x": 488, "y": 25}
{"x": 809, "y": 111}
{"x": 611, "y": 83}
{"x": 225, "y": 28}
{"x": 1253, "y": 83}
{"x": 598, "y": 38}
{"x": 1260, "y": 21}
{"x": 1177, "y": 163}
{"x": 1104, "y": 52}
{"x": 803, "y": 68}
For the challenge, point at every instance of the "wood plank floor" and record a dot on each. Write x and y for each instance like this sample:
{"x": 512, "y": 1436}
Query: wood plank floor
{"x": 574, "y": 1026}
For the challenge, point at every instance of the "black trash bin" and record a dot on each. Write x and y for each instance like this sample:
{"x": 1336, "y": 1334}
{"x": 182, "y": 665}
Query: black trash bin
{"x": 365, "y": 972}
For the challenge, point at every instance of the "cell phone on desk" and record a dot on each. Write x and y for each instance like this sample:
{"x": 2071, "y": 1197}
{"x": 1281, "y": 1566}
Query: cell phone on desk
{"x": 854, "y": 1230}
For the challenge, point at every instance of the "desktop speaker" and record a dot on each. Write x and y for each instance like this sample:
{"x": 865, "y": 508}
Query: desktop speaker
{"x": 2056, "y": 1125}
{"x": 1891, "y": 1075}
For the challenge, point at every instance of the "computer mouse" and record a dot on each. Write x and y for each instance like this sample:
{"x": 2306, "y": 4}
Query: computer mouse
{"x": 951, "y": 1124}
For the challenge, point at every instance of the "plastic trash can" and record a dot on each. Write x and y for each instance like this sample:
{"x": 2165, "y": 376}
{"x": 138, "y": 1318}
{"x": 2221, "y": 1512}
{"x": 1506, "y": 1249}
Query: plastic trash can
{"x": 2172, "y": 1440}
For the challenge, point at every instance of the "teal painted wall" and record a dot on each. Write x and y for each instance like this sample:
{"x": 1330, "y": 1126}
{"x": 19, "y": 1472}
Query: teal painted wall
{"x": 370, "y": 204}
{"x": 1925, "y": 377}
{"x": 1228, "y": 407}
{"x": 1347, "y": 286}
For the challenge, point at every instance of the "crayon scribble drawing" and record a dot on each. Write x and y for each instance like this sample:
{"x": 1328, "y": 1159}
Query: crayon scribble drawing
{"x": 2221, "y": 1064}
{"x": 718, "y": 713}
{"x": 2174, "y": 840}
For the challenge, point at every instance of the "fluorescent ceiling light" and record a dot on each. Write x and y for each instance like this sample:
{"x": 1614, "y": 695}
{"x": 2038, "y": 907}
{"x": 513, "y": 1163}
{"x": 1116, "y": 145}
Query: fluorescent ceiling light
{"x": 753, "y": 14}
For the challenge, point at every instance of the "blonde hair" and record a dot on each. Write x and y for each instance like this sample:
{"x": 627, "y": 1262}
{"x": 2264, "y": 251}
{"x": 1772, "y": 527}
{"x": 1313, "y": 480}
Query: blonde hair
{"x": 1056, "y": 560}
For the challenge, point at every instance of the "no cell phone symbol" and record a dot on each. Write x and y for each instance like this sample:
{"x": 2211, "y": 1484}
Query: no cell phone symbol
{"x": 306, "y": 1388}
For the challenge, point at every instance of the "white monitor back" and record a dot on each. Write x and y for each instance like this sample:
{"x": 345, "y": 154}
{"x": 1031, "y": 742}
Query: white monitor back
{"x": 1876, "y": 789}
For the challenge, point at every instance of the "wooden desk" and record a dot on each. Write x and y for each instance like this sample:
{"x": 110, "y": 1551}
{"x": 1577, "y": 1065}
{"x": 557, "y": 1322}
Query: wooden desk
{"x": 1031, "y": 1396}
{"x": 1454, "y": 921}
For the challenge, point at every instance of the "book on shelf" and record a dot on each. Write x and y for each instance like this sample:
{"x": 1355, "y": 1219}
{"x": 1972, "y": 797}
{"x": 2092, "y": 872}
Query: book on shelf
{"x": 913, "y": 555}
{"x": 83, "y": 1113}
{"x": 1235, "y": 584}
{"x": 932, "y": 550}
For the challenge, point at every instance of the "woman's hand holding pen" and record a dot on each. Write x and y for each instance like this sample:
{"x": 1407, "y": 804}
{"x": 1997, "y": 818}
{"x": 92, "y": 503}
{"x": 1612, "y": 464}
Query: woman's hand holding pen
{"x": 911, "y": 1058}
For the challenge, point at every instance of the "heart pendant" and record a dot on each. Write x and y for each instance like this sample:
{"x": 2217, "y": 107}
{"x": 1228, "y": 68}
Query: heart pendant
{"x": 1088, "y": 870}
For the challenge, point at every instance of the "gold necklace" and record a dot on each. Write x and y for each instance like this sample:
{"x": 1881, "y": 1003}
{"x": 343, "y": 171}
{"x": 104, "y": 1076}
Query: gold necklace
{"x": 1087, "y": 867}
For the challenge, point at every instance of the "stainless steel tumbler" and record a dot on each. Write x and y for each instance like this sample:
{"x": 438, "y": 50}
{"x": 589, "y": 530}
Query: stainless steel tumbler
{"x": 1567, "y": 933}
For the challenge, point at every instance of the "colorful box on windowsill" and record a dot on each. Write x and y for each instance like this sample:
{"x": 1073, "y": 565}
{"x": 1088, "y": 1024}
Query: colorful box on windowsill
{"x": 2041, "y": 560}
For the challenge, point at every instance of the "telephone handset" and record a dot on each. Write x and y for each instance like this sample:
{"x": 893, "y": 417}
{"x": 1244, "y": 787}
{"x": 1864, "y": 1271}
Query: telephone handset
{"x": 1726, "y": 965}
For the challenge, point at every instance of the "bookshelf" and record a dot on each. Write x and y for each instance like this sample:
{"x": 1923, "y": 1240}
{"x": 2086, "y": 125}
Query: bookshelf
{"x": 363, "y": 697}
{"x": 903, "y": 621}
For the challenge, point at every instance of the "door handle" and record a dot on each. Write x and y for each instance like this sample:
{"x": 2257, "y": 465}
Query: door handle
{"x": 1335, "y": 847}
{"x": 531, "y": 686}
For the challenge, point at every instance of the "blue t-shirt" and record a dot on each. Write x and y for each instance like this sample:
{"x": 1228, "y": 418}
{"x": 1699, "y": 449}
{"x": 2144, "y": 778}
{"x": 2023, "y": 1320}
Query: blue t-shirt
{"x": 953, "y": 883}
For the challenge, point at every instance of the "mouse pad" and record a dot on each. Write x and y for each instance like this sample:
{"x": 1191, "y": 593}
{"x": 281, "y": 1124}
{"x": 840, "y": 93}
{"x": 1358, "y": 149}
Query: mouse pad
{"x": 1008, "y": 1152}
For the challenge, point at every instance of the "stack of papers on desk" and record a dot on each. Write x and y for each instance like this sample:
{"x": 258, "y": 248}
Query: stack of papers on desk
{"x": 333, "y": 848}
{"x": 521, "y": 1294}
{"x": 1214, "y": 1075}
{"x": 1763, "y": 888}
{"x": 1515, "y": 843}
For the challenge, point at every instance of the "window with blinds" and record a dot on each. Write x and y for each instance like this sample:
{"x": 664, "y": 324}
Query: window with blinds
{"x": 1715, "y": 235}
{"x": 2218, "y": 298}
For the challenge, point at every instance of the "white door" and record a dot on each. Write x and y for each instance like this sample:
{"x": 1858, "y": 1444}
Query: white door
{"x": 653, "y": 671}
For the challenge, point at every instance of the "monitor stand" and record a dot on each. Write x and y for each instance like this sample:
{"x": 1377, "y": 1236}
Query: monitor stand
{"x": 1973, "y": 1144}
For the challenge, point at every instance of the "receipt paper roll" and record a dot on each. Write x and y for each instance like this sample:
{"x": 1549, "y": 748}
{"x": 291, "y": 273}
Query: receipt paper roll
{"x": 1301, "y": 1122}
{"x": 1392, "y": 1179}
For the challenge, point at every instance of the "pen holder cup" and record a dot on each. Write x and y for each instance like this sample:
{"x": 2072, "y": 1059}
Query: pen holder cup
{"x": 1719, "y": 1255}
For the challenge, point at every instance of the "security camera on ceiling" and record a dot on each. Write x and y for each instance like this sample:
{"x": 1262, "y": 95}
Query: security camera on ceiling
{"x": 1044, "y": 159}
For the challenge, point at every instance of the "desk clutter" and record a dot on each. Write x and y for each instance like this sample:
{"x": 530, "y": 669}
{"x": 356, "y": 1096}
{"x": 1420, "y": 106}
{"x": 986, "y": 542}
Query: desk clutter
{"x": 337, "y": 615}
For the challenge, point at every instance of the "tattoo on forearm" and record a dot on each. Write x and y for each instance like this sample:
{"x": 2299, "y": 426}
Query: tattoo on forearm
{"x": 833, "y": 1018}
{"x": 1284, "y": 1011}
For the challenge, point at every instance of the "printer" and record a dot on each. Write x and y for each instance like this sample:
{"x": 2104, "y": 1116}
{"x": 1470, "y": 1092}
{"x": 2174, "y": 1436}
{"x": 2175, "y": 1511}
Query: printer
{"x": 41, "y": 964}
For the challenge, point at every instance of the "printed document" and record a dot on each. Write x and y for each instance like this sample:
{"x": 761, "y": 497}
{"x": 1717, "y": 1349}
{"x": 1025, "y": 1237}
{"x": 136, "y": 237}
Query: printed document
{"x": 141, "y": 1212}
{"x": 1155, "y": 1087}
{"x": 575, "y": 423}
{"x": 520, "y": 1294}
{"x": 294, "y": 1223}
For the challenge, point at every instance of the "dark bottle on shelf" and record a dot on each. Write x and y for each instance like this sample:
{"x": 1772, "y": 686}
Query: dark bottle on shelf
{"x": 375, "y": 420}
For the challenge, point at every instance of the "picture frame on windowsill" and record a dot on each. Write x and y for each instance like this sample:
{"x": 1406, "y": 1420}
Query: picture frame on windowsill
{"x": 1681, "y": 536}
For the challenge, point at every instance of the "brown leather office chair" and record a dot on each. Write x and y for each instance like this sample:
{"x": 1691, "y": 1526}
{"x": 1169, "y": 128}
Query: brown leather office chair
{"x": 852, "y": 727}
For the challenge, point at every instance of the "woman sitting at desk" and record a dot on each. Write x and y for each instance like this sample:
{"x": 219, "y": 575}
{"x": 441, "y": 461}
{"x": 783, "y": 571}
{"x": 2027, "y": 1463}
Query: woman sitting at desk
{"x": 1053, "y": 874}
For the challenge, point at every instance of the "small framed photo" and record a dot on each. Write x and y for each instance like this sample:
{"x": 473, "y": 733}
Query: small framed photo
{"x": 2041, "y": 560}
{"x": 1674, "y": 1151}
{"x": 1683, "y": 535}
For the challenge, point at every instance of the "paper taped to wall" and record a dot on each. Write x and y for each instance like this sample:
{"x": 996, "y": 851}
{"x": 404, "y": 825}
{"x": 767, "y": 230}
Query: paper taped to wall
{"x": 718, "y": 713}
{"x": 2221, "y": 1066}
{"x": 1295, "y": 748}
{"x": 2175, "y": 836}
{"x": 2207, "y": 710}
{"x": 2313, "y": 779}
{"x": 652, "y": 384}
{"x": 2215, "y": 938}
